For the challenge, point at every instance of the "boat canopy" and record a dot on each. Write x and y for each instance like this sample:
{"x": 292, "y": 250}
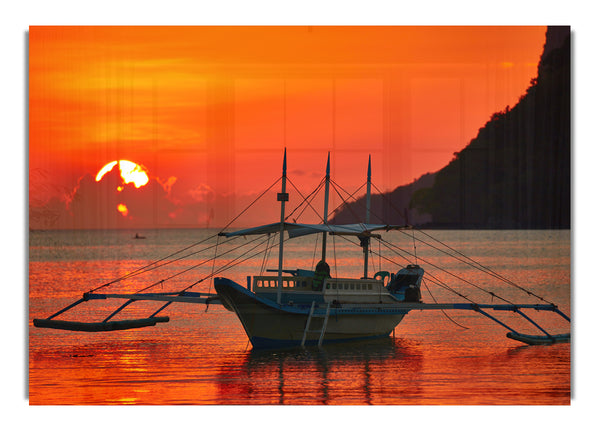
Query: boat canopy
{"x": 296, "y": 229}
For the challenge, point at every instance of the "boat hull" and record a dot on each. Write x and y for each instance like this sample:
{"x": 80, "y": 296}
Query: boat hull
{"x": 270, "y": 325}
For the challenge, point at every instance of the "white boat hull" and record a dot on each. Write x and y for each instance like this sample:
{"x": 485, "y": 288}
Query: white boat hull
{"x": 269, "y": 325}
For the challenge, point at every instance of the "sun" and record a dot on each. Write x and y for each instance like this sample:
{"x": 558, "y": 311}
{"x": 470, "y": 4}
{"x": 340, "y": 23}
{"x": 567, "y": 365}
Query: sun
{"x": 130, "y": 173}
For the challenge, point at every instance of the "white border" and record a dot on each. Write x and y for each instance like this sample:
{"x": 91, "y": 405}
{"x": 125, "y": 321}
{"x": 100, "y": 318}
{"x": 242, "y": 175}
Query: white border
{"x": 19, "y": 15}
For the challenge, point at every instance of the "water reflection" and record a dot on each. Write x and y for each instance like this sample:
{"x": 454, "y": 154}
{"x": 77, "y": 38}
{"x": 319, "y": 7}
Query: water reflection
{"x": 350, "y": 373}
{"x": 203, "y": 357}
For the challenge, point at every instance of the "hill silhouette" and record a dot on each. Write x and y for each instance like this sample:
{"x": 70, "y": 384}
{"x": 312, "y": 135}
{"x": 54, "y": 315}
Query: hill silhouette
{"x": 515, "y": 174}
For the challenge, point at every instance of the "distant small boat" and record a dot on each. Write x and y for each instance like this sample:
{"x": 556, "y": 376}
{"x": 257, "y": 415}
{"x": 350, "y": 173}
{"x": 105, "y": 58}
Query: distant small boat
{"x": 138, "y": 236}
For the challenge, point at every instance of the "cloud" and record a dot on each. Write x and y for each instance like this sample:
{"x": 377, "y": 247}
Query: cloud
{"x": 167, "y": 184}
{"x": 301, "y": 173}
{"x": 202, "y": 193}
{"x": 112, "y": 204}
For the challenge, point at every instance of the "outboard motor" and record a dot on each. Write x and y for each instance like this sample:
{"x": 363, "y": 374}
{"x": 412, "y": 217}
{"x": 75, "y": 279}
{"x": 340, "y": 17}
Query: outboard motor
{"x": 406, "y": 283}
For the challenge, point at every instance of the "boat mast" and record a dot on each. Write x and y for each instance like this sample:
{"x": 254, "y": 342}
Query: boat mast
{"x": 326, "y": 209}
{"x": 365, "y": 241}
{"x": 282, "y": 197}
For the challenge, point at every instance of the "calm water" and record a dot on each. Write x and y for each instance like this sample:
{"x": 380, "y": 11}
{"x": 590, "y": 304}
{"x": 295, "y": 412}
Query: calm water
{"x": 202, "y": 355}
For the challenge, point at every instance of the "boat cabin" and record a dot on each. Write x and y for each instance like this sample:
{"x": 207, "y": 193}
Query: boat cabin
{"x": 298, "y": 287}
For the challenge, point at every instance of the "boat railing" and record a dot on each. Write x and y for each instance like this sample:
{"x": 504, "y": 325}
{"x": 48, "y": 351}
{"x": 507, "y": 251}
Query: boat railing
{"x": 346, "y": 285}
{"x": 269, "y": 282}
{"x": 363, "y": 285}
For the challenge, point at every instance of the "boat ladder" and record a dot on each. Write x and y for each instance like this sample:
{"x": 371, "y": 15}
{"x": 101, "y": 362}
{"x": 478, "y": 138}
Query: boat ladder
{"x": 312, "y": 314}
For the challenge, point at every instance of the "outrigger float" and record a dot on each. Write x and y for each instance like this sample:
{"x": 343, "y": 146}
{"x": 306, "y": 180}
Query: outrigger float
{"x": 302, "y": 307}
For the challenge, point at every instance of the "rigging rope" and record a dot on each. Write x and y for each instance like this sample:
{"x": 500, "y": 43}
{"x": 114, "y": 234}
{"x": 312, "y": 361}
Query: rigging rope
{"x": 213, "y": 273}
{"x": 389, "y": 201}
{"x": 414, "y": 246}
{"x": 151, "y": 266}
{"x": 443, "y": 311}
{"x": 159, "y": 263}
{"x": 306, "y": 200}
{"x": 214, "y": 261}
{"x": 390, "y": 246}
{"x": 431, "y": 278}
{"x": 485, "y": 269}
{"x": 379, "y": 242}
{"x": 154, "y": 265}
{"x": 181, "y": 258}
{"x": 265, "y": 257}
{"x": 344, "y": 202}
{"x": 252, "y": 203}
{"x": 334, "y": 257}
{"x": 196, "y": 266}
{"x": 315, "y": 251}
{"x": 473, "y": 263}
{"x": 231, "y": 263}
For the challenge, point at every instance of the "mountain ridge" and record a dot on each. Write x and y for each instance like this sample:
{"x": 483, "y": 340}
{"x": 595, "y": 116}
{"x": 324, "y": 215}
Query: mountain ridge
{"x": 515, "y": 174}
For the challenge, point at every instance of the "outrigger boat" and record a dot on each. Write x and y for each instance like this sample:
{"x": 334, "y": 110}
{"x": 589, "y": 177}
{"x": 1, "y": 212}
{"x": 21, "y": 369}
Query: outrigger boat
{"x": 301, "y": 307}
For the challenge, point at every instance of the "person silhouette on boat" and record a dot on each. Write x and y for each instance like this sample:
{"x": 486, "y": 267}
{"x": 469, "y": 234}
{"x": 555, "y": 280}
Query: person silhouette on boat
{"x": 322, "y": 272}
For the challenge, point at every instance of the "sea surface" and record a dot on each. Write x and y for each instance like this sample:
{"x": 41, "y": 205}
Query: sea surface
{"x": 202, "y": 356}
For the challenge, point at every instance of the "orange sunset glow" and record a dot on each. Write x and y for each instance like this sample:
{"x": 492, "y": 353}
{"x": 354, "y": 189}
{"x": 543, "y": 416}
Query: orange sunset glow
{"x": 196, "y": 118}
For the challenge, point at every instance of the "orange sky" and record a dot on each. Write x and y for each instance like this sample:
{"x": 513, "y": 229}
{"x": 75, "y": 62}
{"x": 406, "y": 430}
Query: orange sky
{"x": 208, "y": 110}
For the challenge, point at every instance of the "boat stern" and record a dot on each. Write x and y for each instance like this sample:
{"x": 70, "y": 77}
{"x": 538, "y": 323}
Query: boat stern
{"x": 405, "y": 285}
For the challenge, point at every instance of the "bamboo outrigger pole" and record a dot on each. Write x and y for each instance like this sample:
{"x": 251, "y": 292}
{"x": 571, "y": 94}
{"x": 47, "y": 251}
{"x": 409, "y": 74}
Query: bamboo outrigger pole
{"x": 365, "y": 240}
{"x": 283, "y": 197}
{"x": 326, "y": 209}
